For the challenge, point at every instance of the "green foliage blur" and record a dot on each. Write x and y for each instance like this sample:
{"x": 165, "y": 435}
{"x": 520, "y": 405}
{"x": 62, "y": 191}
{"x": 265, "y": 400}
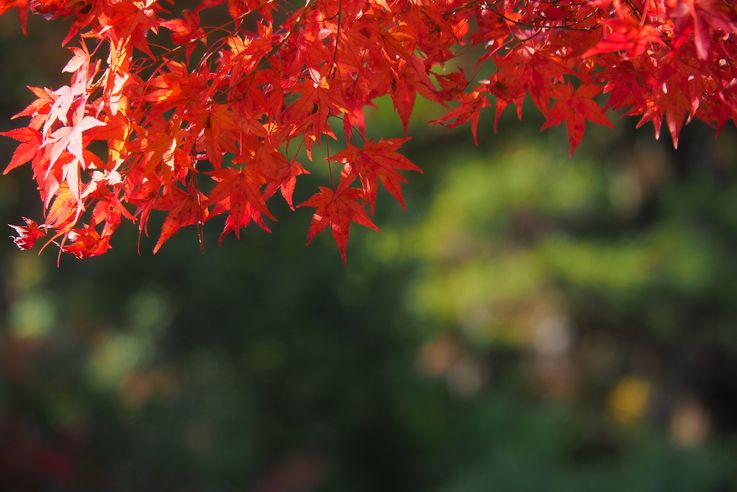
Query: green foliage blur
{"x": 530, "y": 323}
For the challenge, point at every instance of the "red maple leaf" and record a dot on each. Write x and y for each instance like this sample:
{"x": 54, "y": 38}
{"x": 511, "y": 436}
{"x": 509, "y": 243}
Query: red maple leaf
{"x": 28, "y": 234}
{"x": 238, "y": 192}
{"x": 376, "y": 162}
{"x": 184, "y": 209}
{"x": 30, "y": 141}
{"x": 575, "y": 107}
{"x": 337, "y": 209}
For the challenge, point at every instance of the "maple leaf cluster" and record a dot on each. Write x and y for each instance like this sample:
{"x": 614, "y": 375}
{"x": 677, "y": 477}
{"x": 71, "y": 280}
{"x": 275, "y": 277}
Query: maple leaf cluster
{"x": 217, "y": 123}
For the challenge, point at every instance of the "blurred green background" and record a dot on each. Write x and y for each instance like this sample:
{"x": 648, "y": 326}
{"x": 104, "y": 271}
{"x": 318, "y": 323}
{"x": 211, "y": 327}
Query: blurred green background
{"x": 530, "y": 323}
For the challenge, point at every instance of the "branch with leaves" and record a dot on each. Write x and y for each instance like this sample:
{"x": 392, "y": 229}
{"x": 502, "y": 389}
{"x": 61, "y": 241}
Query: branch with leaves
{"x": 214, "y": 119}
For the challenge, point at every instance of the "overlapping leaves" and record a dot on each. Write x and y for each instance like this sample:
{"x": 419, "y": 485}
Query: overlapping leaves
{"x": 164, "y": 114}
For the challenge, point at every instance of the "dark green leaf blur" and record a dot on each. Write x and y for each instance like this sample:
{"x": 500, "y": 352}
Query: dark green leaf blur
{"x": 530, "y": 323}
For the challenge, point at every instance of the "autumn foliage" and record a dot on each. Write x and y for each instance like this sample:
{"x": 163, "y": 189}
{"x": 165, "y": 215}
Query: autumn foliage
{"x": 203, "y": 109}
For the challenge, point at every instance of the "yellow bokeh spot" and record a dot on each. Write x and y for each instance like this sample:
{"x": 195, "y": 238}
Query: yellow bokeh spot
{"x": 629, "y": 400}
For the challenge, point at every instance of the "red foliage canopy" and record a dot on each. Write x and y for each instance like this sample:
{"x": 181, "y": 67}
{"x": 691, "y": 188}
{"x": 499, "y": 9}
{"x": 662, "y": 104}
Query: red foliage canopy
{"x": 215, "y": 124}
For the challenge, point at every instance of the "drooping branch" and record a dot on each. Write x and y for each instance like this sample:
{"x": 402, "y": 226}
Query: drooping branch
{"x": 201, "y": 124}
